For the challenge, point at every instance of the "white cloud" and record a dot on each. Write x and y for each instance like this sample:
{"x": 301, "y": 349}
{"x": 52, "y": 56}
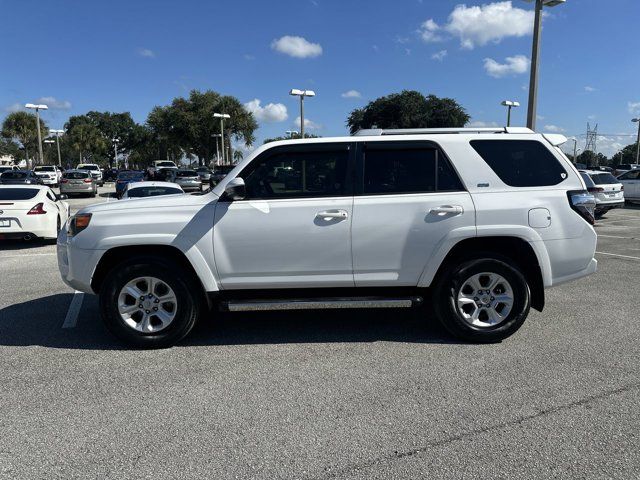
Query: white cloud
{"x": 297, "y": 47}
{"x": 248, "y": 56}
{"x": 351, "y": 94}
{"x": 480, "y": 25}
{"x": 481, "y": 124}
{"x": 271, "y": 112}
{"x": 610, "y": 144}
{"x": 515, "y": 65}
{"x": 591, "y": 117}
{"x": 633, "y": 107}
{"x": 553, "y": 129}
{"x": 429, "y": 31}
{"x": 589, "y": 89}
{"x": 145, "y": 52}
{"x": 439, "y": 55}
{"x": 15, "y": 107}
{"x": 54, "y": 104}
{"x": 539, "y": 117}
{"x": 308, "y": 124}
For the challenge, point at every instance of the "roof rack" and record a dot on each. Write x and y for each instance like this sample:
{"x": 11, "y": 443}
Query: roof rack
{"x": 431, "y": 131}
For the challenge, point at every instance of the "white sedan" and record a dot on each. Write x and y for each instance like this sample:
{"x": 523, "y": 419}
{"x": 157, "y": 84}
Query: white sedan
{"x": 150, "y": 189}
{"x": 31, "y": 211}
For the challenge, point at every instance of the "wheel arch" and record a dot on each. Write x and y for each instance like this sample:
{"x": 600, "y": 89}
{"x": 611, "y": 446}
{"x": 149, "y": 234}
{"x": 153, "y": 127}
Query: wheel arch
{"x": 115, "y": 256}
{"x": 514, "y": 249}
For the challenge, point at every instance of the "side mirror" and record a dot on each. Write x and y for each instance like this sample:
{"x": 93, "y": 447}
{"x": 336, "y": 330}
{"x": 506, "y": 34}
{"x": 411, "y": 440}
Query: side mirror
{"x": 62, "y": 196}
{"x": 235, "y": 189}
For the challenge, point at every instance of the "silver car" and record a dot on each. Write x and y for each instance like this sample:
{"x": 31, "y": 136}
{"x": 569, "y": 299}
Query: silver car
{"x": 76, "y": 182}
{"x": 188, "y": 180}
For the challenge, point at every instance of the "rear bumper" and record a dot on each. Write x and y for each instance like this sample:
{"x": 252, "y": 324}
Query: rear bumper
{"x": 48, "y": 181}
{"x": 74, "y": 189}
{"x": 604, "y": 206}
{"x": 34, "y": 225}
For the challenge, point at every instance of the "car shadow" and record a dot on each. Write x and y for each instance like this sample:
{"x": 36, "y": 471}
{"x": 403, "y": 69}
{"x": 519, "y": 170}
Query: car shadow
{"x": 24, "y": 244}
{"x": 40, "y": 322}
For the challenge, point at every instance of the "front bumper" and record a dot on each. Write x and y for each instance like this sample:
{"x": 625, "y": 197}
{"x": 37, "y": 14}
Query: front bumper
{"x": 76, "y": 265}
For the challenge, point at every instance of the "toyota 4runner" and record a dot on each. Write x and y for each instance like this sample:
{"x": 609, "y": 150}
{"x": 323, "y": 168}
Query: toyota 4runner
{"x": 470, "y": 225}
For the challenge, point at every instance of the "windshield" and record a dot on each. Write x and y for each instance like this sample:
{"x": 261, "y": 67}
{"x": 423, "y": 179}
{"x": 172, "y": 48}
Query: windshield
{"x": 4, "y": 169}
{"x": 224, "y": 169}
{"x": 130, "y": 175}
{"x": 603, "y": 179}
{"x": 88, "y": 167}
{"x": 187, "y": 173}
{"x": 18, "y": 193}
{"x": 202, "y": 169}
{"x": 165, "y": 164}
{"x": 75, "y": 175}
{"x": 14, "y": 174}
{"x": 152, "y": 191}
{"x": 44, "y": 169}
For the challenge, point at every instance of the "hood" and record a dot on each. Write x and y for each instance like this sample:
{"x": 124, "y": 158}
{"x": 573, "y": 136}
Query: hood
{"x": 160, "y": 202}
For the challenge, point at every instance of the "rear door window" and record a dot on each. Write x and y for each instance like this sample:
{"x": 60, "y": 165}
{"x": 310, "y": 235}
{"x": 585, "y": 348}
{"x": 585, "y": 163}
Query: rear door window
{"x": 18, "y": 193}
{"x": 521, "y": 163}
{"x": 404, "y": 168}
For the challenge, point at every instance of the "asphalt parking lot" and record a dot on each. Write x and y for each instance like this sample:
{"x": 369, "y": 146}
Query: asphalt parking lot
{"x": 325, "y": 394}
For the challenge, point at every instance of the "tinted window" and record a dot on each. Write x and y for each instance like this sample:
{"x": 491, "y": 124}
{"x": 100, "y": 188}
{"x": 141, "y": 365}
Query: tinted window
{"x": 521, "y": 163}
{"x": 165, "y": 164}
{"x": 44, "y": 169}
{"x": 587, "y": 180}
{"x": 130, "y": 175}
{"x": 152, "y": 191}
{"x": 75, "y": 175}
{"x": 186, "y": 173}
{"x": 14, "y": 175}
{"x": 88, "y": 167}
{"x": 297, "y": 174}
{"x": 632, "y": 175}
{"x": 603, "y": 179}
{"x": 18, "y": 193}
{"x": 407, "y": 170}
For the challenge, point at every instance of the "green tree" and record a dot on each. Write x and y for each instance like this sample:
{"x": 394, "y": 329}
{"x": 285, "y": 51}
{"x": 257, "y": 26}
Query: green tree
{"x": 9, "y": 147}
{"x": 238, "y": 155}
{"x": 86, "y": 140}
{"x": 408, "y": 109}
{"x": 626, "y": 155}
{"x": 21, "y": 127}
{"x": 591, "y": 159}
{"x": 188, "y": 124}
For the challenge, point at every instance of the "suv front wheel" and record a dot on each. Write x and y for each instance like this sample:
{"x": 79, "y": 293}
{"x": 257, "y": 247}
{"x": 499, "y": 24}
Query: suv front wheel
{"x": 482, "y": 300}
{"x": 149, "y": 303}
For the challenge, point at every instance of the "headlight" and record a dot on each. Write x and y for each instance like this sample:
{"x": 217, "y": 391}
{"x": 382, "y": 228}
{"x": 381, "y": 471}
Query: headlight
{"x": 78, "y": 223}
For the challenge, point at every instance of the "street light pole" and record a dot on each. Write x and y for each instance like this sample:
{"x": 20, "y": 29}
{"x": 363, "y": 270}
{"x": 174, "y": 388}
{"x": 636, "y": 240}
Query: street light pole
{"x": 535, "y": 57}
{"x": 222, "y": 116}
{"x": 302, "y": 93}
{"x": 48, "y": 142}
{"x": 37, "y": 108}
{"x": 637, "y": 120}
{"x": 115, "y": 151}
{"x": 509, "y": 104}
{"x": 57, "y": 134}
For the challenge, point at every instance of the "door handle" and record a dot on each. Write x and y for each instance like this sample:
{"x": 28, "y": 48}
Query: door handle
{"x": 445, "y": 209}
{"x": 340, "y": 214}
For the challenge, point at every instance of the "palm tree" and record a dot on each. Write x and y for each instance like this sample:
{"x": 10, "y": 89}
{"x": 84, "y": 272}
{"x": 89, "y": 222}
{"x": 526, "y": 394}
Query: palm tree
{"x": 22, "y": 127}
{"x": 238, "y": 155}
{"x": 85, "y": 137}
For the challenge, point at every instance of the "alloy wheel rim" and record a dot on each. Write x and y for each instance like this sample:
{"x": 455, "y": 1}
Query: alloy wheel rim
{"x": 485, "y": 300}
{"x": 147, "y": 304}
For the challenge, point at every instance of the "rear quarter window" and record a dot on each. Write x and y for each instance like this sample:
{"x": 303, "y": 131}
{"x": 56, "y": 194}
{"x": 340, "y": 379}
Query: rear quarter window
{"x": 521, "y": 163}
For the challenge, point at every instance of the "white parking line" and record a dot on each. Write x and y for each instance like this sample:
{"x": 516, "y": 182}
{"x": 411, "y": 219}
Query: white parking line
{"x": 617, "y": 236}
{"x": 71, "y": 319}
{"x": 27, "y": 255}
{"x": 618, "y": 255}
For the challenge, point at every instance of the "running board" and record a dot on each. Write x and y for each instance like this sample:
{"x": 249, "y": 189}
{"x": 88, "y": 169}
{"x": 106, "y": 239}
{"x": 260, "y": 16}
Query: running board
{"x": 319, "y": 303}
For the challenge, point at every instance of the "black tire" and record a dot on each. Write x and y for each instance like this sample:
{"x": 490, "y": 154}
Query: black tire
{"x": 185, "y": 289}
{"x": 446, "y": 291}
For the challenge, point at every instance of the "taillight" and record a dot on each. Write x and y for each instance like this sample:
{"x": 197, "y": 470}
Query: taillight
{"x": 64, "y": 180}
{"x": 87, "y": 180}
{"x": 37, "y": 210}
{"x": 595, "y": 189}
{"x": 584, "y": 204}
{"x": 621, "y": 188}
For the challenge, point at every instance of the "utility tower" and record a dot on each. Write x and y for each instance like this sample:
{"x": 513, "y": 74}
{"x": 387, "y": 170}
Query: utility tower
{"x": 592, "y": 137}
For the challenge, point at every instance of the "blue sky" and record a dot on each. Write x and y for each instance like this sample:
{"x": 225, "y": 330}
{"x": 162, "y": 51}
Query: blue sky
{"x": 133, "y": 55}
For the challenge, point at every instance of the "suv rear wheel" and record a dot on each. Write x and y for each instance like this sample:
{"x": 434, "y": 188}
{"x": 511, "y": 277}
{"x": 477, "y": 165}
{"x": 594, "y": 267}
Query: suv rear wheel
{"x": 482, "y": 300}
{"x": 149, "y": 303}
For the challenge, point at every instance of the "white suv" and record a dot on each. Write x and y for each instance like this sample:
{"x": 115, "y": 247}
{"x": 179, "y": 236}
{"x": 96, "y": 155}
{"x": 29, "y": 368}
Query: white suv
{"x": 94, "y": 170}
{"x": 473, "y": 223}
